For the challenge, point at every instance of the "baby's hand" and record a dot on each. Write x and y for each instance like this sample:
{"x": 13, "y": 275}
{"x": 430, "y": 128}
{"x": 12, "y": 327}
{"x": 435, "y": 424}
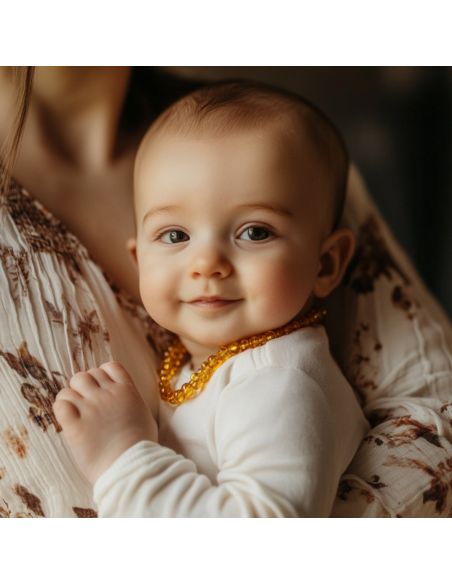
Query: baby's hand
{"x": 102, "y": 415}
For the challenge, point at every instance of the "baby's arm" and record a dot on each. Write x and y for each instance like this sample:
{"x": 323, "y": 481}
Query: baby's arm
{"x": 102, "y": 415}
{"x": 276, "y": 452}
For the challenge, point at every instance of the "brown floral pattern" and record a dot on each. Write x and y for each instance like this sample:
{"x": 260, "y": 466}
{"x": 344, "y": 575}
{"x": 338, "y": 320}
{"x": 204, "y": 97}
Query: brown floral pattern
{"x": 16, "y": 265}
{"x": 70, "y": 294}
{"x": 16, "y": 439}
{"x": 32, "y": 502}
{"x": 46, "y": 234}
{"x": 40, "y": 396}
{"x": 80, "y": 328}
{"x": 440, "y": 483}
{"x": 412, "y": 431}
{"x": 362, "y": 364}
{"x": 43, "y": 232}
{"x": 403, "y": 467}
{"x": 403, "y": 300}
{"x": 84, "y": 513}
{"x": 372, "y": 260}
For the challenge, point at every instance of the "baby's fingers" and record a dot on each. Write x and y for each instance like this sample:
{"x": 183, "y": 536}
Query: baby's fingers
{"x": 66, "y": 406}
{"x": 100, "y": 375}
{"x": 83, "y": 382}
{"x": 117, "y": 373}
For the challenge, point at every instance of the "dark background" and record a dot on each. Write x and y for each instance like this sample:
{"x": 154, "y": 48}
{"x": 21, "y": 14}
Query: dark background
{"x": 397, "y": 122}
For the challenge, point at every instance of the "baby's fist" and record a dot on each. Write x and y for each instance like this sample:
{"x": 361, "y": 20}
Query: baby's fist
{"x": 102, "y": 415}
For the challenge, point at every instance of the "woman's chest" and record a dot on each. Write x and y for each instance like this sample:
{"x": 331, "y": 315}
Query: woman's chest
{"x": 95, "y": 207}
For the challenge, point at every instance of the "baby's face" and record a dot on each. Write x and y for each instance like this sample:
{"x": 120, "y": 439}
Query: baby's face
{"x": 229, "y": 234}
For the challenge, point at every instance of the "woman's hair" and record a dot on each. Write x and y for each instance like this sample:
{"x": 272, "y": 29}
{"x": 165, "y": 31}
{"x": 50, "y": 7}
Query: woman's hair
{"x": 150, "y": 92}
{"x": 23, "y": 81}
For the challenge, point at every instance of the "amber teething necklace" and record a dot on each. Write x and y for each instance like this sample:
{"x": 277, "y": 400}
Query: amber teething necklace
{"x": 175, "y": 354}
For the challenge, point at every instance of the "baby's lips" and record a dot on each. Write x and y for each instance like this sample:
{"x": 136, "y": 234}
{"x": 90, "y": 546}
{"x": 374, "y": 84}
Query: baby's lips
{"x": 212, "y": 302}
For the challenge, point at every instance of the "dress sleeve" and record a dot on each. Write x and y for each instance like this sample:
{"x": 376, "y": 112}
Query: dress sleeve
{"x": 277, "y": 456}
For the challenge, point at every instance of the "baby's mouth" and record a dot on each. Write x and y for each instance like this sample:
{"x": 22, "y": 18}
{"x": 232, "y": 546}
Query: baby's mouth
{"x": 211, "y": 302}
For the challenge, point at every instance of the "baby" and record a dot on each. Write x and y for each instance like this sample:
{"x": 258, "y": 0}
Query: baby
{"x": 239, "y": 189}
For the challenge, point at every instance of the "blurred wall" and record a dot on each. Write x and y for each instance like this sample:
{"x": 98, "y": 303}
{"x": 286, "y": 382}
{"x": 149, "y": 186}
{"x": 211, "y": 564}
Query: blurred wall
{"x": 397, "y": 122}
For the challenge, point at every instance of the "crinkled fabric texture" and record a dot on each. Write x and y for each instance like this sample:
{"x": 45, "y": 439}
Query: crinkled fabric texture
{"x": 393, "y": 342}
{"x": 59, "y": 314}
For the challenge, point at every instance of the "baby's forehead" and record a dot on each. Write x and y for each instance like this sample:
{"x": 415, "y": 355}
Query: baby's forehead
{"x": 260, "y": 167}
{"x": 282, "y": 135}
{"x": 270, "y": 147}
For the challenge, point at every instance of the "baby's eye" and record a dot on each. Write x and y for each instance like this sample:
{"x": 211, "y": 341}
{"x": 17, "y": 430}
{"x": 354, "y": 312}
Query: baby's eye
{"x": 255, "y": 234}
{"x": 174, "y": 236}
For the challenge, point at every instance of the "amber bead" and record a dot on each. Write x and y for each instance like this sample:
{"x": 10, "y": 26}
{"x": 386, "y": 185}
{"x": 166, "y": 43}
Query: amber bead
{"x": 288, "y": 329}
{"x": 244, "y": 344}
{"x": 254, "y": 342}
{"x": 262, "y": 339}
{"x": 279, "y": 333}
{"x": 215, "y": 364}
{"x": 234, "y": 348}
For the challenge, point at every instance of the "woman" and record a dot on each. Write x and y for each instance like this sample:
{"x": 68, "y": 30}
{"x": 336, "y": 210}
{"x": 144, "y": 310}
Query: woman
{"x": 69, "y": 292}
{"x": 69, "y": 301}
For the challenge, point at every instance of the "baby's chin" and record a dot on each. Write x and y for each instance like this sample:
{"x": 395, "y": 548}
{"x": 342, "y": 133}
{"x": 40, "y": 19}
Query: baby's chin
{"x": 214, "y": 341}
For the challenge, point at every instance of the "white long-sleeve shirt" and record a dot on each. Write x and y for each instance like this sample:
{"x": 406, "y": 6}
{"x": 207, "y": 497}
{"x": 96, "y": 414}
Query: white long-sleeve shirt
{"x": 269, "y": 436}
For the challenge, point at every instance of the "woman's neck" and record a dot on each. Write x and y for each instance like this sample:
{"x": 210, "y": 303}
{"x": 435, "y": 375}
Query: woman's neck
{"x": 74, "y": 113}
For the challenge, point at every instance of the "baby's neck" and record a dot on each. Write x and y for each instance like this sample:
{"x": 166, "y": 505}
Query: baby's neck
{"x": 198, "y": 353}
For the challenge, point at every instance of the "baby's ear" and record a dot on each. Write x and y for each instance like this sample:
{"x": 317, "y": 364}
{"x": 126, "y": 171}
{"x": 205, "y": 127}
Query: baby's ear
{"x": 131, "y": 245}
{"x": 335, "y": 255}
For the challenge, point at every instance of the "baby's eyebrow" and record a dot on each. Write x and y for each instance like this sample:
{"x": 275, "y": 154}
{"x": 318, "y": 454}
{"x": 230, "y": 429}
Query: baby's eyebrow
{"x": 274, "y": 208}
{"x": 161, "y": 209}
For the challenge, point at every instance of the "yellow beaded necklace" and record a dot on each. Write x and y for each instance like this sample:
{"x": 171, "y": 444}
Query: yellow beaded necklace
{"x": 175, "y": 354}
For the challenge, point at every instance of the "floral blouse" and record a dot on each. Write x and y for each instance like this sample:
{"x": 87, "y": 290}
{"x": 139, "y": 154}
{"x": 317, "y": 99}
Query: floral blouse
{"x": 59, "y": 314}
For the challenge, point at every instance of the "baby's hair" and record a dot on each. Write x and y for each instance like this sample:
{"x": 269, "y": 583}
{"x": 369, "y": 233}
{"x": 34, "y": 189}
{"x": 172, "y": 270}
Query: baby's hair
{"x": 224, "y": 107}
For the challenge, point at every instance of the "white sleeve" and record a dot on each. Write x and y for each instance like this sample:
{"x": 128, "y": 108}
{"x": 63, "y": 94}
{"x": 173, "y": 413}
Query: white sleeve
{"x": 276, "y": 451}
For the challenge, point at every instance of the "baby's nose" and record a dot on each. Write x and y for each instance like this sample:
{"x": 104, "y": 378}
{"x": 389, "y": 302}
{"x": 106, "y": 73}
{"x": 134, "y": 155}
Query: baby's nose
{"x": 210, "y": 264}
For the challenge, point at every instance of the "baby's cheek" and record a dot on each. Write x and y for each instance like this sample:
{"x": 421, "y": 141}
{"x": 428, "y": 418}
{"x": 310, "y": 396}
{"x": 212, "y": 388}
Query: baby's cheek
{"x": 155, "y": 293}
{"x": 284, "y": 290}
